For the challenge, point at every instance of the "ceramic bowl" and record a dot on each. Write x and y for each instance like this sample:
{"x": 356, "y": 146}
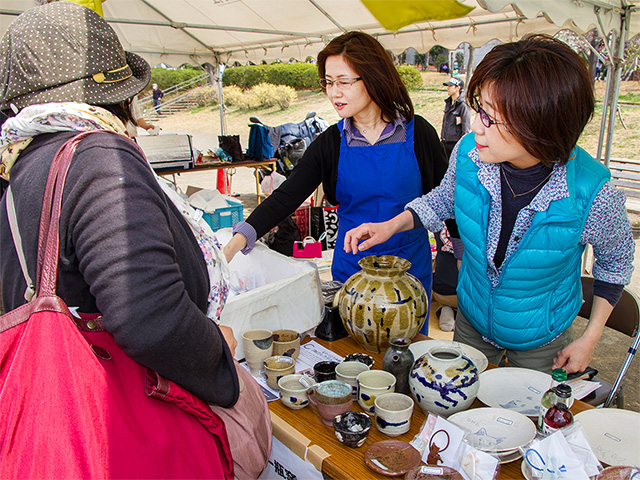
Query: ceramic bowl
{"x": 360, "y": 357}
{"x": 293, "y": 392}
{"x": 277, "y": 367}
{"x": 352, "y": 428}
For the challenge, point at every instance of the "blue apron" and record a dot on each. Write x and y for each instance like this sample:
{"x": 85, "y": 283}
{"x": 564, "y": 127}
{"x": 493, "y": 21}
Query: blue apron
{"x": 374, "y": 184}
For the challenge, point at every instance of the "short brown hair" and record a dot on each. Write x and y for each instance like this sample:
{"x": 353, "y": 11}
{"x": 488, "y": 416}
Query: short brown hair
{"x": 375, "y": 66}
{"x": 541, "y": 88}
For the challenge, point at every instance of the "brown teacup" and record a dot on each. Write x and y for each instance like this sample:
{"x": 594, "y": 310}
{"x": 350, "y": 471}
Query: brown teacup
{"x": 277, "y": 367}
{"x": 331, "y": 398}
{"x": 287, "y": 343}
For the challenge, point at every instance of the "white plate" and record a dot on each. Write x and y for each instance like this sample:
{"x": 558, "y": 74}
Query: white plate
{"x": 510, "y": 457}
{"x": 613, "y": 435}
{"x": 476, "y": 356}
{"x": 518, "y": 389}
{"x": 495, "y": 430}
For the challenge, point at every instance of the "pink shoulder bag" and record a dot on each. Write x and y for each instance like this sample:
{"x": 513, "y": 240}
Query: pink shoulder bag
{"x": 74, "y": 405}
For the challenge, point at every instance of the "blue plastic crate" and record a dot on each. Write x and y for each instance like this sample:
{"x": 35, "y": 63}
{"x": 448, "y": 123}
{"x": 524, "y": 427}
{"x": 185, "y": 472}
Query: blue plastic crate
{"x": 226, "y": 216}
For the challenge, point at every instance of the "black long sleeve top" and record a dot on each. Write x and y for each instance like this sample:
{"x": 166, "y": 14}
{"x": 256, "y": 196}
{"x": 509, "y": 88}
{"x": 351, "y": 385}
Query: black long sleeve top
{"x": 125, "y": 252}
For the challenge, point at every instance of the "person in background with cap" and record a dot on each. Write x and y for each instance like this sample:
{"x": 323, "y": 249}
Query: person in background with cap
{"x": 128, "y": 251}
{"x": 158, "y": 95}
{"x": 456, "y": 121}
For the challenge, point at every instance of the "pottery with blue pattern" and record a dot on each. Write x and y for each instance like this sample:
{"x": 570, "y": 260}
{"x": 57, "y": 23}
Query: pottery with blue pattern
{"x": 444, "y": 381}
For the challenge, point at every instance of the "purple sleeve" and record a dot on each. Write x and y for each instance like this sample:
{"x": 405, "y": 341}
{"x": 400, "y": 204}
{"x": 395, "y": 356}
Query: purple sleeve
{"x": 458, "y": 247}
{"x": 248, "y": 232}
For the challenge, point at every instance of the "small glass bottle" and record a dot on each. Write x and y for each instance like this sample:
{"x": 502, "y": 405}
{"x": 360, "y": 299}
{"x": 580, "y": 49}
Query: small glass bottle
{"x": 559, "y": 415}
{"x": 559, "y": 375}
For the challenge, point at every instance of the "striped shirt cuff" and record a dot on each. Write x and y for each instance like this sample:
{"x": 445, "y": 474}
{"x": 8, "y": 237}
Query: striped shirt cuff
{"x": 458, "y": 248}
{"x": 248, "y": 232}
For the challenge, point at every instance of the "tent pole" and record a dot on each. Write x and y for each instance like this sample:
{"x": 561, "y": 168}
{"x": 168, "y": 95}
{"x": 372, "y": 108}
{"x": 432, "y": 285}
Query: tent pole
{"x": 605, "y": 102}
{"x": 469, "y": 65}
{"x": 617, "y": 63}
{"x": 221, "y": 68}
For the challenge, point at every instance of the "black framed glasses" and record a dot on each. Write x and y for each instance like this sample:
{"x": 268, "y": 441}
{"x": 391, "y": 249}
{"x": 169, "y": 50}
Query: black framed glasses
{"x": 341, "y": 83}
{"x": 486, "y": 120}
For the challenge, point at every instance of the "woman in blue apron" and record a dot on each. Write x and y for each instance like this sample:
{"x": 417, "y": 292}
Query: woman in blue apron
{"x": 374, "y": 184}
{"x": 374, "y": 161}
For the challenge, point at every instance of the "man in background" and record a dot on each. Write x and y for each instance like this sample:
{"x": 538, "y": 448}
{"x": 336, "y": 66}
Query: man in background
{"x": 457, "y": 116}
{"x": 157, "y": 96}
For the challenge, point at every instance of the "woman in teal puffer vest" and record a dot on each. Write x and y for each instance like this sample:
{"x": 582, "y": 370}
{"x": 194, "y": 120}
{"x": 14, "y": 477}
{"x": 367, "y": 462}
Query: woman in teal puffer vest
{"x": 527, "y": 200}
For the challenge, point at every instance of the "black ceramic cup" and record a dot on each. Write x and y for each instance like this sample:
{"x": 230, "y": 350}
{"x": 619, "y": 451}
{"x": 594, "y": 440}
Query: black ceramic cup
{"x": 325, "y": 371}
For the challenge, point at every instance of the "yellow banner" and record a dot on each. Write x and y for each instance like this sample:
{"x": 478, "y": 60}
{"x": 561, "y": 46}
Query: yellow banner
{"x": 395, "y": 14}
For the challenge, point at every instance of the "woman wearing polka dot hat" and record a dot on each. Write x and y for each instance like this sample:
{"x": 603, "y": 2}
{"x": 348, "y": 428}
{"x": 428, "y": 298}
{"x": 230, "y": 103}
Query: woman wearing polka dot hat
{"x": 129, "y": 248}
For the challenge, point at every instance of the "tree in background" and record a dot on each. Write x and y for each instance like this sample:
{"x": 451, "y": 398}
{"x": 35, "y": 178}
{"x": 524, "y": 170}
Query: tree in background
{"x": 438, "y": 56}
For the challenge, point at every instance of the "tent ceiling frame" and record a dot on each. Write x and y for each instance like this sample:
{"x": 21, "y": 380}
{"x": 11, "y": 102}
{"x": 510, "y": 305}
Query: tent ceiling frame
{"x": 326, "y": 14}
{"x": 364, "y": 28}
{"x": 175, "y": 25}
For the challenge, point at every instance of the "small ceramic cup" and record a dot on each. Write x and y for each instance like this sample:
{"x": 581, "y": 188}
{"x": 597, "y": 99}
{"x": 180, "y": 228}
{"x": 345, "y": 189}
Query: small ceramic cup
{"x": 324, "y": 371}
{"x": 258, "y": 346}
{"x": 393, "y": 413}
{"x": 352, "y": 428}
{"x": 286, "y": 342}
{"x": 331, "y": 398}
{"x": 277, "y": 367}
{"x": 371, "y": 384}
{"x": 293, "y": 390}
{"x": 348, "y": 371}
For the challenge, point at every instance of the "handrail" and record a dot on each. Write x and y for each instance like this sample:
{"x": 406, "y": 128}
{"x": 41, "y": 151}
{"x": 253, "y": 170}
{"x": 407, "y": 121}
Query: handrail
{"x": 180, "y": 86}
{"x": 146, "y": 112}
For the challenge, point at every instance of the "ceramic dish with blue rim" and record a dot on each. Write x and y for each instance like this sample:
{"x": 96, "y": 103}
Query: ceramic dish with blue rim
{"x": 476, "y": 356}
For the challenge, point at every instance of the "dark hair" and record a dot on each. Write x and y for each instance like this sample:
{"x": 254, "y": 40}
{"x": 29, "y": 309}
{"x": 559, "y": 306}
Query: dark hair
{"x": 542, "y": 90}
{"x": 375, "y": 66}
{"x": 122, "y": 110}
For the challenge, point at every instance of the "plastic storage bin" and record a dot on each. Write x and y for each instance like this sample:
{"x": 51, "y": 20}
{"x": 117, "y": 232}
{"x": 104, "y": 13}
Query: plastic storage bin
{"x": 226, "y": 216}
{"x": 289, "y": 295}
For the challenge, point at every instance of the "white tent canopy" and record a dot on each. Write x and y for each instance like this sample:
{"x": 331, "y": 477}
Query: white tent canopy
{"x": 224, "y": 31}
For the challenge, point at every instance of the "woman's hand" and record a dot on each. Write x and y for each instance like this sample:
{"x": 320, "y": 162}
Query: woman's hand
{"x": 576, "y": 356}
{"x": 227, "y": 333}
{"x": 376, "y": 233}
{"x": 237, "y": 243}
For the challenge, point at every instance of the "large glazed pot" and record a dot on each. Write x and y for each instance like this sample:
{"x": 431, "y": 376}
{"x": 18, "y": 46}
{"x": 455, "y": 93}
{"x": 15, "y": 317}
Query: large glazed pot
{"x": 444, "y": 381}
{"x": 382, "y": 301}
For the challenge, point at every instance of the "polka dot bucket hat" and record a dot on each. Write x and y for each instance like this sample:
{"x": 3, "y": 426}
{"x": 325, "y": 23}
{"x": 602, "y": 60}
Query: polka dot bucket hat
{"x": 64, "y": 52}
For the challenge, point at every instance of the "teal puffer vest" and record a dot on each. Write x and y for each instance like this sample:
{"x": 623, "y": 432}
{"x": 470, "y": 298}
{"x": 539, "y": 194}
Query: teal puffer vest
{"x": 538, "y": 294}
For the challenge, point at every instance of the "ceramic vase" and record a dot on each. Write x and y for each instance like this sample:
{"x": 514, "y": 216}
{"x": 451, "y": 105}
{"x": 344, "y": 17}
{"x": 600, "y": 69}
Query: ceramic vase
{"x": 444, "y": 381}
{"x": 382, "y": 301}
{"x": 398, "y": 360}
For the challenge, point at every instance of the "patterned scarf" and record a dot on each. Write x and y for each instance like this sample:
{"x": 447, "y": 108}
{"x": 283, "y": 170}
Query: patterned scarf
{"x": 18, "y": 132}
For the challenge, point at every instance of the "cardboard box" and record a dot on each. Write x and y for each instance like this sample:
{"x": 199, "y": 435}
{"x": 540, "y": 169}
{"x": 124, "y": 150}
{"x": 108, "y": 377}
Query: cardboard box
{"x": 290, "y": 296}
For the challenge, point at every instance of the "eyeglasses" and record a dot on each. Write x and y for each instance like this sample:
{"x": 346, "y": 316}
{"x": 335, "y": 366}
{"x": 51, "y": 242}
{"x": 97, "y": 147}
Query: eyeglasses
{"x": 486, "y": 120}
{"x": 342, "y": 83}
